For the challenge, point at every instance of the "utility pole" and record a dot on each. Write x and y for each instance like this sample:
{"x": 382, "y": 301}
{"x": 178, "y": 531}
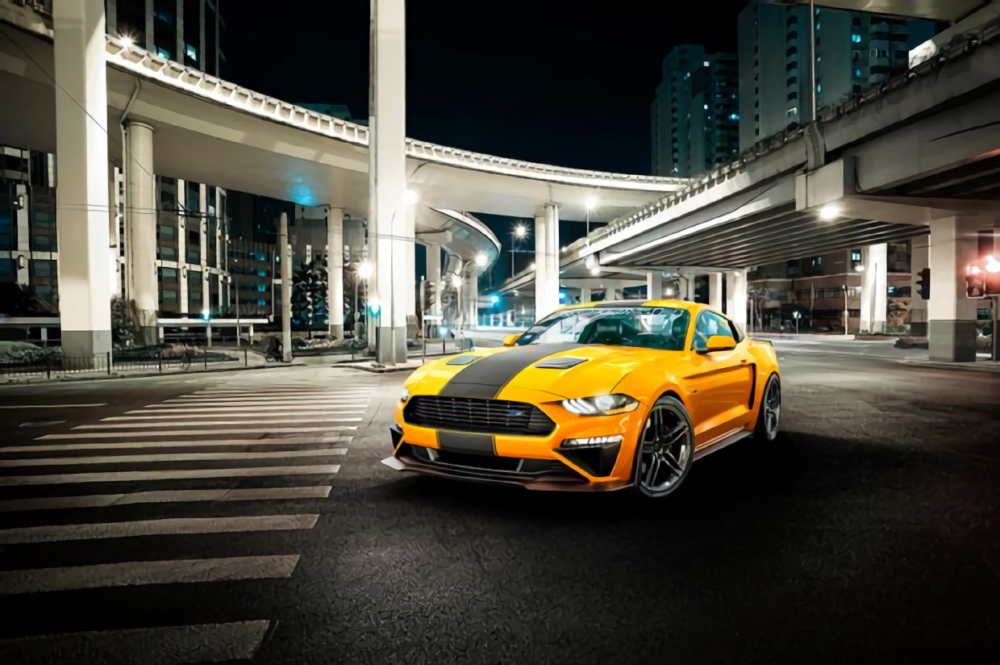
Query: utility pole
{"x": 812, "y": 53}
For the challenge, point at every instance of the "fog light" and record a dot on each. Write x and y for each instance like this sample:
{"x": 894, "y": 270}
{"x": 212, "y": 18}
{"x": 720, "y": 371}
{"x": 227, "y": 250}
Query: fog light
{"x": 592, "y": 442}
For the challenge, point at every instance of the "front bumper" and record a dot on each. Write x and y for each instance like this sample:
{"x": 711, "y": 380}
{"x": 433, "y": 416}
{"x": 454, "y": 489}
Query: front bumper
{"x": 536, "y": 463}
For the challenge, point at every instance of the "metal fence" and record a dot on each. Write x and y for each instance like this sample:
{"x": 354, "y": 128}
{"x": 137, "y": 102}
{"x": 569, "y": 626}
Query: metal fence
{"x": 55, "y": 365}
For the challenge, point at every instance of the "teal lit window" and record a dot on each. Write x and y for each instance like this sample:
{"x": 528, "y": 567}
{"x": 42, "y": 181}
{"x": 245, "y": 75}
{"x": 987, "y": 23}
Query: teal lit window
{"x": 262, "y": 288}
{"x": 190, "y": 51}
{"x": 262, "y": 272}
{"x": 856, "y": 39}
{"x": 164, "y": 53}
{"x": 261, "y": 303}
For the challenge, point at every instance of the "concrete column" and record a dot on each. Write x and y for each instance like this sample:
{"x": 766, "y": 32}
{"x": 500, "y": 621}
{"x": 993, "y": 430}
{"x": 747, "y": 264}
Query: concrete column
{"x": 140, "y": 226}
{"x": 654, "y": 285}
{"x": 715, "y": 290}
{"x": 951, "y": 314}
{"x": 434, "y": 277}
{"x": 82, "y": 195}
{"x": 547, "y": 261}
{"x": 736, "y": 297}
{"x": 472, "y": 300}
{"x": 23, "y": 239}
{"x": 585, "y": 295}
{"x": 409, "y": 294}
{"x": 690, "y": 293}
{"x": 387, "y": 175}
{"x": 874, "y": 288}
{"x": 286, "y": 288}
{"x": 335, "y": 270}
{"x": 919, "y": 259}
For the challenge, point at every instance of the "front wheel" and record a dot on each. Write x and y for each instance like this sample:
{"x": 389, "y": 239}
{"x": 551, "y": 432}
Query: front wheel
{"x": 665, "y": 450}
{"x": 769, "y": 418}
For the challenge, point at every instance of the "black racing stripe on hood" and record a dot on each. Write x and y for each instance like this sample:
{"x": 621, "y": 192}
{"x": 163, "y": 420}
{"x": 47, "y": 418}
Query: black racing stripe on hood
{"x": 485, "y": 378}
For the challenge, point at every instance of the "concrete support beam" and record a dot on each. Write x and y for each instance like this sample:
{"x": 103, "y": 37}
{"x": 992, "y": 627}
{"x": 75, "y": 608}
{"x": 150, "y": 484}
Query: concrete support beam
{"x": 715, "y": 290}
{"x": 919, "y": 260}
{"x": 874, "y": 288}
{"x": 654, "y": 285}
{"x": 286, "y": 288}
{"x": 585, "y": 295}
{"x": 736, "y": 297}
{"x": 335, "y": 270}
{"x": 434, "y": 278}
{"x": 472, "y": 300}
{"x": 85, "y": 288}
{"x": 952, "y": 315}
{"x": 140, "y": 225}
{"x": 546, "y": 261}
{"x": 387, "y": 177}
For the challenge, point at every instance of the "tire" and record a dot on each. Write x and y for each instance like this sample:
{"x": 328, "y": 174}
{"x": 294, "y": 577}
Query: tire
{"x": 676, "y": 449}
{"x": 768, "y": 425}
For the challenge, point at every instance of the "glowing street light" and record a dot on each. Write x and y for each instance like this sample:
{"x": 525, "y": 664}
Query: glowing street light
{"x": 829, "y": 213}
{"x": 859, "y": 268}
{"x": 520, "y": 231}
{"x": 456, "y": 280}
{"x": 364, "y": 270}
{"x": 480, "y": 259}
{"x": 126, "y": 41}
{"x": 410, "y": 196}
{"x": 596, "y": 270}
{"x": 532, "y": 266}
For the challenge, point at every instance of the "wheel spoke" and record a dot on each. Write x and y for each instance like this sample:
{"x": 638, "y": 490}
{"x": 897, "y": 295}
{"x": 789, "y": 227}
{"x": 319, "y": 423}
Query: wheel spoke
{"x": 675, "y": 435}
{"x": 652, "y": 469}
{"x": 672, "y": 462}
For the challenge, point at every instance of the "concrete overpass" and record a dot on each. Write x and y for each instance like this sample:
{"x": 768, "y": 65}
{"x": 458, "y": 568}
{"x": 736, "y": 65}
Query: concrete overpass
{"x": 920, "y": 154}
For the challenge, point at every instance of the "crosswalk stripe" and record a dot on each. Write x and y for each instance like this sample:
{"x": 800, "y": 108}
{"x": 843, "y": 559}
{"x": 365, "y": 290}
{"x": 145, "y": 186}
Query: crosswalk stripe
{"x": 200, "y": 432}
{"x": 276, "y": 405}
{"x": 49, "y": 406}
{"x": 168, "y": 457}
{"x": 199, "y": 443}
{"x": 240, "y": 401}
{"x": 172, "y": 474}
{"x": 263, "y": 421}
{"x": 166, "y": 527}
{"x": 294, "y": 389}
{"x": 163, "y": 496}
{"x": 138, "y": 573}
{"x": 184, "y": 415}
{"x": 272, "y": 393}
{"x": 222, "y": 410}
{"x": 167, "y": 645}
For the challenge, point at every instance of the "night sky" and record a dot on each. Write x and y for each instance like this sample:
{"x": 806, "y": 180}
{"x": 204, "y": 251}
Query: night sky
{"x": 558, "y": 82}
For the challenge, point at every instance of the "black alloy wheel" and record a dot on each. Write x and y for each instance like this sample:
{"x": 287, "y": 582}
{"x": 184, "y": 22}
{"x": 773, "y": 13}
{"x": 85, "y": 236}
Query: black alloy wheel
{"x": 665, "y": 450}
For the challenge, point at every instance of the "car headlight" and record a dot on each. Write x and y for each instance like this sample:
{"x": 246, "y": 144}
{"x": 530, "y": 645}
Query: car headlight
{"x": 600, "y": 405}
{"x": 404, "y": 396}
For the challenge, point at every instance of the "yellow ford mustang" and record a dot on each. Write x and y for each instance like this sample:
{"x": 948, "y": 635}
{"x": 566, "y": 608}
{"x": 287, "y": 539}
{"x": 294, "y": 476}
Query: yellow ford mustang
{"x": 602, "y": 396}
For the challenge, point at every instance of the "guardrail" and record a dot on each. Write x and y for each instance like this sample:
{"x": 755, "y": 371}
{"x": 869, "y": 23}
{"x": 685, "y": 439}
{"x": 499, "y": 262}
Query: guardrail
{"x": 56, "y": 365}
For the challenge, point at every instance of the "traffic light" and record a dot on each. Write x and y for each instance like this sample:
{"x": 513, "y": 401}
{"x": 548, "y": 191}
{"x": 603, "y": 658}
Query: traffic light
{"x": 924, "y": 283}
{"x": 991, "y": 274}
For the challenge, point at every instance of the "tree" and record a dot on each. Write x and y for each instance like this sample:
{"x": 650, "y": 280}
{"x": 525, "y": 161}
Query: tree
{"x": 309, "y": 296}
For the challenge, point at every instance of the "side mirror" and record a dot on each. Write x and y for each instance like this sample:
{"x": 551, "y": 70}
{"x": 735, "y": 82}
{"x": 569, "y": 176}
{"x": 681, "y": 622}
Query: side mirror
{"x": 509, "y": 340}
{"x": 718, "y": 343}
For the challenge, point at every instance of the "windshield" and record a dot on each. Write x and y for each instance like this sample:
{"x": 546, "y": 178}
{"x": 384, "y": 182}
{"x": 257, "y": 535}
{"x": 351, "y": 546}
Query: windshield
{"x": 661, "y": 328}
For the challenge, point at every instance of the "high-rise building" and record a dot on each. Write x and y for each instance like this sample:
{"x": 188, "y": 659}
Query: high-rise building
{"x": 853, "y": 52}
{"x": 191, "y": 32}
{"x": 694, "y": 117}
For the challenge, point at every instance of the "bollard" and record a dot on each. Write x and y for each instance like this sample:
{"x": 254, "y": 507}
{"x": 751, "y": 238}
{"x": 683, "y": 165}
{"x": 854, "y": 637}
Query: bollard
{"x": 206, "y": 358}
{"x": 246, "y": 358}
{"x": 109, "y": 363}
{"x": 48, "y": 366}
{"x": 159, "y": 359}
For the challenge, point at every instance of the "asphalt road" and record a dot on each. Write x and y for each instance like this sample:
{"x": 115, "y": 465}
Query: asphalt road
{"x": 867, "y": 533}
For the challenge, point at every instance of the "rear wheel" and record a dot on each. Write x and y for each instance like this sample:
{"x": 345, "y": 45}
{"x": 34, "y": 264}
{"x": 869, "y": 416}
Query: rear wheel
{"x": 769, "y": 418}
{"x": 665, "y": 449}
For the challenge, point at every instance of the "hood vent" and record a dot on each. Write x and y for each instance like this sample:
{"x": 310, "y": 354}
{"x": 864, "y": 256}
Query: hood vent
{"x": 560, "y": 363}
{"x": 462, "y": 360}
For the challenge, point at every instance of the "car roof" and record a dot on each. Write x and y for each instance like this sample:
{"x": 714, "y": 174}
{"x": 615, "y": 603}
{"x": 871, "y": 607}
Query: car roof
{"x": 693, "y": 307}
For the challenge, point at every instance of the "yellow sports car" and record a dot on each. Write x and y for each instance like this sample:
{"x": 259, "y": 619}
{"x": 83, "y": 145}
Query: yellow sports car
{"x": 601, "y": 396}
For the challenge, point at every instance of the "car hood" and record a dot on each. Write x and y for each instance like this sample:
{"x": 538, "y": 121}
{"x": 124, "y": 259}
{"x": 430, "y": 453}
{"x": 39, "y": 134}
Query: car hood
{"x": 495, "y": 371}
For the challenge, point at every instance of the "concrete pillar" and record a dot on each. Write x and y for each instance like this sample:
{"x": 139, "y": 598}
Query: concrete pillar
{"x": 409, "y": 293}
{"x": 547, "y": 261}
{"x": 585, "y": 295}
{"x": 434, "y": 277}
{"x": 85, "y": 288}
{"x": 736, "y": 297}
{"x": 654, "y": 285}
{"x": 286, "y": 288}
{"x": 140, "y": 227}
{"x": 472, "y": 300}
{"x": 715, "y": 290}
{"x": 874, "y": 288}
{"x": 919, "y": 259}
{"x": 690, "y": 293}
{"x": 387, "y": 175}
{"x": 951, "y": 314}
{"x": 23, "y": 239}
{"x": 335, "y": 270}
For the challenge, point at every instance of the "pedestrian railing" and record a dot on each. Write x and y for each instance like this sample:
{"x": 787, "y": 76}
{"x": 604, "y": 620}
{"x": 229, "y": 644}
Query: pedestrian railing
{"x": 43, "y": 364}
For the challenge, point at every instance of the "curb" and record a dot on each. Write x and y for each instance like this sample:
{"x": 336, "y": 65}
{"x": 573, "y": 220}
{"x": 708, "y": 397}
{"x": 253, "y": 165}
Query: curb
{"x": 962, "y": 367}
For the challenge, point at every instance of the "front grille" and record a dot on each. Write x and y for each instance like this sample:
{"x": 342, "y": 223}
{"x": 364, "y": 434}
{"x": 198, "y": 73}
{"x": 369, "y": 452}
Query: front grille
{"x": 483, "y": 416}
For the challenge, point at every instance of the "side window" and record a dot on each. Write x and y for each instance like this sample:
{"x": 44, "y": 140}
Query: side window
{"x": 710, "y": 324}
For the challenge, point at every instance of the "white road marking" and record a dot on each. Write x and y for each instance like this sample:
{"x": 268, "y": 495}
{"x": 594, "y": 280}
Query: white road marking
{"x": 51, "y": 406}
{"x": 168, "y": 645}
{"x": 167, "y": 527}
{"x": 136, "y": 573}
{"x": 268, "y": 394}
{"x": 172, "y": 415}
{"x": 168, "y": 457}
{"x": 200, "y": 432}
{"x": 163, "y": 496}
{"x": 192, "y": 443}
{"x": 285, "y": 404}
{"x": 173, "y": 474}
{"x": 222, "y": 422}
{"x": 181, "y": 408}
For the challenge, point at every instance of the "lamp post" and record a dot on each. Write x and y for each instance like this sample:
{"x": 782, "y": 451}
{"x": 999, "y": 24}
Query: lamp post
{"x": 520, "y": 232}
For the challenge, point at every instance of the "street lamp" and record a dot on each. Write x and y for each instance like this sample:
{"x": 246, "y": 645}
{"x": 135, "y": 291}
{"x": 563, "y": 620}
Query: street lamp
{"x": 410, "y": 196}
{"x": 829, "y": 212}
{"x": 520, "y": 232}
{"x": 481, "y": 259}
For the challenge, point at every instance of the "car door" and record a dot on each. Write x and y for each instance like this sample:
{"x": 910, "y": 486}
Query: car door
{"x": 720, "y": 382}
